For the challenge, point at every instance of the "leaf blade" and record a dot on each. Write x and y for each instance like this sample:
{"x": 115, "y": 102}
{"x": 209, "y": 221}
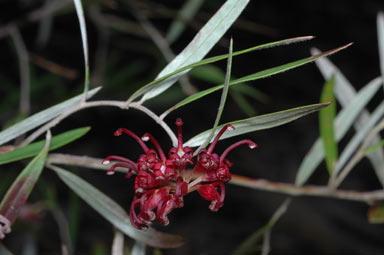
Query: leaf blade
{"x": 326, "y": 121}
{"x": 41, "y": 117}
{"x": 19, "y": 191}
{"x": 34, "y": 148}
{"x": 258, "y": 123}
{"x": 262, "y": 74}
{"x": 112, "y": 212}
{"x": 343, "y": 122}
{"x": 222, "y": 100}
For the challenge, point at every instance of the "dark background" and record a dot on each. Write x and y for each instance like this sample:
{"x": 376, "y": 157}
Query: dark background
{"x": 311, "y": 226}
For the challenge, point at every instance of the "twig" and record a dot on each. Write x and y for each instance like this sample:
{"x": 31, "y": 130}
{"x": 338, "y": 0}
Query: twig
{"x": 84, "y": 105}
{"x": 259, "y": 184}
{"x": 163, "y": 46}
{"x": 118, "y": 243}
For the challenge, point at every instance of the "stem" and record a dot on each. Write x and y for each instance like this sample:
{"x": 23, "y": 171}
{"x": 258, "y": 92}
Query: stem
{"x": 258, "y": 184}
{"x": 84, "y": 105}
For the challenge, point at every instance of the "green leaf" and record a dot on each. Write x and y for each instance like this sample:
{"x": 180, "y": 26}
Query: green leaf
{"x": 34, "y": 148}
{"x": 18, "y": 193}
{"x": 374, "y": 147}
{"x": 203, "y": 42}
{"x": 258, "y": 123}
{"x": 343, "y": 122}
{"x": 83, "y": 30}
{"x": 345, "y": 92}
{"x": 160, "y": 81}
{"x": 376, "y": 213}
{"x": 256, "y": 76}
{"x": 116, "y": 215}
{"x": 222, "y": 100}
{"x": 41, "y": 118}
{"x": 326, "y": 120}
{"x": 185, "y": 15}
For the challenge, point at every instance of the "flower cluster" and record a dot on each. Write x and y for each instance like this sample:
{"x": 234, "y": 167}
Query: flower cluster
{"x": 161, "y": 182}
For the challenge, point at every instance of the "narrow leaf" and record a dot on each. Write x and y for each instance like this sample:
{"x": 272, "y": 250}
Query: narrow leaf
{"x": 186, "y": 13}
{"x": 374, "y": 147}
{"x": 326, "y": 120}
{"x": 345, "y": 92}
{"x": 163, "y": 79}
{"x": 222, "y": 100}
{"x": 34, "y": 148}
{"x": 18, "y": 193}
{"x": 41, "y": 118}
{"x": 203, "y": 42}
{"x": 380, "y": 34}
{"x": 258, "y": 123}
{"x": 356, "y": 140}
{"x": 112, "y": 212}
{"x": 343, "y": 122}
{"x": 83, "y": 30}
{"x": 376, "y": 214}
{"x": 256, "y": 76}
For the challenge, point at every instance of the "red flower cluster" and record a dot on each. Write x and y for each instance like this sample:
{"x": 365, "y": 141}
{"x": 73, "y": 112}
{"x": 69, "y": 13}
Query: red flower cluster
{"x": 162, "y": 182}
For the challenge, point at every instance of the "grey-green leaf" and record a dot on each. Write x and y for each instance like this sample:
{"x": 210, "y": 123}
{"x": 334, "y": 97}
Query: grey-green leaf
{"x": 83, "y": 30}
{"x": 116, "y": 215}
{"x": 18, "y": 193}
{"x": 256, "y": 76}
{"x": 258, "y": 123}
{"x": 343, "y": 122}
{"x": 41, "y": 117}
{"x": 34, "y": 148}
{"x": 203, "y": 42}
{"x": 153, "y": 84}
{"x": 222, "y": 100}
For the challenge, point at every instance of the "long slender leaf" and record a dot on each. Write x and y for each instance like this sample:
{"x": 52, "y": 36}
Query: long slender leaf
{"x": 160, "y": 80}
{"x": 34, "y": 148}
{"x": 326, "y": 120}
{"x": 353, "y": 144}
{"x": 222, "y": 100}
{"x": 83, "y": 30}
{"x": 112, "y": 212}
{"x": 203, "y": 42}
{"x": 380, "y": 35}
{"x": 258, "y": 123}
{"x": 138, "y": 249}
{"x": 186, "y": 13}
{"x": 41, "y": 117}
{"x": 255, "y": 76}
{"x": 344, "y": 93}
{"x": 18, "y": 193}
{"x": 343, "y": 122}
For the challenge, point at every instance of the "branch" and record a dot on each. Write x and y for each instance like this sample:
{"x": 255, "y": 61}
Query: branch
{"x": 258, "y": 184}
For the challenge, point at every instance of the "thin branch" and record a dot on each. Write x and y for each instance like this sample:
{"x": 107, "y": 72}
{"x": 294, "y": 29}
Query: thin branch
{"x": 158, "y": 120}
{"x": 84, "y": 105}
{"x": 163, "y": 45}
{"x": 258, "y": 184}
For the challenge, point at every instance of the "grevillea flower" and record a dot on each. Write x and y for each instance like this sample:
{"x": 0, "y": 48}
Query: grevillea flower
{"x": 161, "y": 182}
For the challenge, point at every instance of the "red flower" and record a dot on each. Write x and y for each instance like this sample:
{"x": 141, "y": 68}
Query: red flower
{"x": 161, "y": 183}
